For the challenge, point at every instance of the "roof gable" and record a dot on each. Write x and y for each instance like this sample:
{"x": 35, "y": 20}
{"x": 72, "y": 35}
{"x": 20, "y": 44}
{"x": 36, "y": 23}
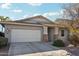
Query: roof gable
{"x": 36, "y": 19}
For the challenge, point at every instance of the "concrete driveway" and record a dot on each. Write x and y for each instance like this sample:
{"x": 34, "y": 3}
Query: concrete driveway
{"x": 31, "y": 48}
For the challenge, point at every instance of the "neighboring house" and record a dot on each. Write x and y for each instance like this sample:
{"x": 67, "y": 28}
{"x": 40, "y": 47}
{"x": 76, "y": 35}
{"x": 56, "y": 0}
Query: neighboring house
{"x": 63, "y": 21}
{"x": 34, "y": 29}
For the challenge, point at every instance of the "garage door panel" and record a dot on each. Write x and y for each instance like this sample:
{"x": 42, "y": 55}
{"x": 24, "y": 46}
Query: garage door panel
{"x": 25, "y": 35}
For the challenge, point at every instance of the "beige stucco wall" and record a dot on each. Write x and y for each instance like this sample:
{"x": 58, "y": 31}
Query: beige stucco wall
{"x": 66, "y": 33}
{"x": 44, "y": 31}
{"x": 55, "y": 33}
{"x": 9, "y": 27}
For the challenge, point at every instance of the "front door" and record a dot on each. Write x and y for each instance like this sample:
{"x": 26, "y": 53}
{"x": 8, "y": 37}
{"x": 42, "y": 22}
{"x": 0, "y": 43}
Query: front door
{"x": 50, "y": 34}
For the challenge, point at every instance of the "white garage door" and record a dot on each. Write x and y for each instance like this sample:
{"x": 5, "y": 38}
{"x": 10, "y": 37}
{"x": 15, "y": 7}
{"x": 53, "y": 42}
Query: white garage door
{"x": 18, "y": 35}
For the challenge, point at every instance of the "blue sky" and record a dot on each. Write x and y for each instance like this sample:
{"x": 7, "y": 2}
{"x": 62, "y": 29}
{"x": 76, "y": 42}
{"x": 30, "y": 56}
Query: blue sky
{"x": 18, "y": 11}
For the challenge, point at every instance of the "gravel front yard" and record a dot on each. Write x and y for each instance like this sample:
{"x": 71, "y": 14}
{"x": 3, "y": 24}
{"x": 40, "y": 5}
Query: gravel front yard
{"x": 73, "y": 50}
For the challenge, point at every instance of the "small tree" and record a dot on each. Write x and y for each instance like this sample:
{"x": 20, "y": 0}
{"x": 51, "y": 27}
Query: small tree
{"x": 3, "y": 18}
{"x": 72, "y": 12}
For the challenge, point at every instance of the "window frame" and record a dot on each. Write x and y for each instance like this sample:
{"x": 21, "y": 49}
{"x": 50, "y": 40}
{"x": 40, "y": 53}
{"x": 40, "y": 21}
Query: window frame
{"x": 62, "y": 33}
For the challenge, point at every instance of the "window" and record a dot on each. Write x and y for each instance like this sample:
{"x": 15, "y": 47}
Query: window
{"x": 62, "y": 32}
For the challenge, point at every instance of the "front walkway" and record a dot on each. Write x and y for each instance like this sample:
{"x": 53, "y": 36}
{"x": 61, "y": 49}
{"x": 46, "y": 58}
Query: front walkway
{"x": 35, "y": 48}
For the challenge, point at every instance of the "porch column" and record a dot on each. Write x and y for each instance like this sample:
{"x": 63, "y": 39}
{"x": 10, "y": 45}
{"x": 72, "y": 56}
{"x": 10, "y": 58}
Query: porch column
{"x": 45, "y": 34}
{"x": 56, "y": 33}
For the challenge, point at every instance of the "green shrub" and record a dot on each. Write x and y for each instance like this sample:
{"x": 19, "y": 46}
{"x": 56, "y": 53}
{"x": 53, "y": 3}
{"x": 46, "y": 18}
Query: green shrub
{"x": 3, "y": 41}
{"x": 58, "y": 43}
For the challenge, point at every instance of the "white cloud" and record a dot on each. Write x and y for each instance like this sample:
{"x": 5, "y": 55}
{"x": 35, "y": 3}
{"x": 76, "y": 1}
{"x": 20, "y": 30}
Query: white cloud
{"x": 5, "y": 6}
{"x": 17, "y": 10}
{"x": 12, "y": 18}
{"x": 36, "y": 14}
{"x": 50, "y": 14}
{"x": 35, "y": 4}
{"x": 62, "y": 11}
{"x": 47, "y": 14}
{"x": 53, "y": 13}
{"x": 25, "y": 16}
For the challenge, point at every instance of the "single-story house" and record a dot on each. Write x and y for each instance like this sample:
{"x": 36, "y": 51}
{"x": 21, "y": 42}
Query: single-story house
{"x": 34, "y": 29}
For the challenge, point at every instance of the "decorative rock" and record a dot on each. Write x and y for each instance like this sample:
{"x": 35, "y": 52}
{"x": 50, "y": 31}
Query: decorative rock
{"x": 51, "y": 53}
